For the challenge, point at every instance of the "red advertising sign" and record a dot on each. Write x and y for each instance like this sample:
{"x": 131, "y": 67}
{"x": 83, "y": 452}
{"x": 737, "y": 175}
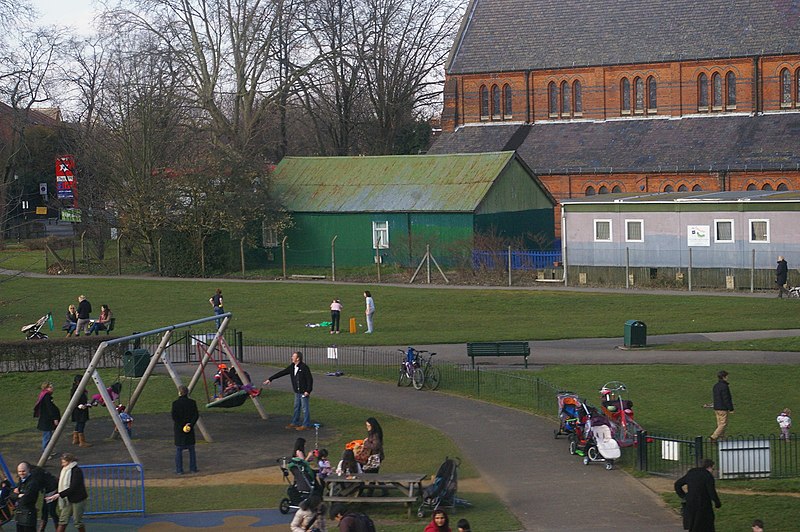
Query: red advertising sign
{"x": 66, "y": 185}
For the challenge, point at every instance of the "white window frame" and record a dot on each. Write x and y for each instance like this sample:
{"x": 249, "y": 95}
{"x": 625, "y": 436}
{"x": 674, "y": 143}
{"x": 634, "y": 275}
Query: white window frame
{"x": 610, "y": 230}
{"x": 641, "y": 226}
{"x": 269, "y": 236}
{"x": 717, "y": 239}
{"x": 750, "y": 233}
{"x": 380, "y": 233}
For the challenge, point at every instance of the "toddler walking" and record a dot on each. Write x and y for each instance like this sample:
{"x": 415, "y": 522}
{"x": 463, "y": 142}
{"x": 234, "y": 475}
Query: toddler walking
{"x": 785, "y": 423}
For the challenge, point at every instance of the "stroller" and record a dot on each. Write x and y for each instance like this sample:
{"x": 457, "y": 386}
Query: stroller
{"x": 442, "y": 492}
{"x": 572, "y": 413}
{"x": 304, "y": 483}
{"x": 33, "y": 331}
{"x": 601, "y": 447}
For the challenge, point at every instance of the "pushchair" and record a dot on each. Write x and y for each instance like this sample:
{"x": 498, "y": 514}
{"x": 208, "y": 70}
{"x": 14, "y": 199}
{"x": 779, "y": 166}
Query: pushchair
{"x": 442, "y": 491}
{"x": 33, "y": 331}
{"x": 572, "y": 411}
{"x": 303, "y": 484}
{"x": 601, "y": 447}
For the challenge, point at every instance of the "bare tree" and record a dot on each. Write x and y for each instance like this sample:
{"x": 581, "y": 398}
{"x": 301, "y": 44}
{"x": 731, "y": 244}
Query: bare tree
{"x": 403, "y": 46}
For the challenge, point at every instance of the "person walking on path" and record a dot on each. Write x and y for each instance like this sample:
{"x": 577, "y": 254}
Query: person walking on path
{"x": 84, "y": 312}
{"x": 781, "y": 275}
{"x": 723, "y": 404}
{"x": 336, "y": 314}
{"x": 47, "y": 412}
{"x": 370, "y": 310}
{"x": 216, "y": 304}
{"x": 698, "y": 515}
{"x": 184, "y": 418}
{"x": 80, "y": 415}
{"x": 71, "y": 494}
{"x": 302, "y": 385}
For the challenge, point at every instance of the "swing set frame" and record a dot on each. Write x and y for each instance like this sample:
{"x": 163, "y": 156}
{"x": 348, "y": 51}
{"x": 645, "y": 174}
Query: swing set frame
{"x": 91, "y": 373}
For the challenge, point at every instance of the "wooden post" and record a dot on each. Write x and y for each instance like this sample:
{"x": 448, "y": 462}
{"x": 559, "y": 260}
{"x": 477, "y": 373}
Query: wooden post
{"x": 283, "y": 253}
{"x": 158, "y": 251}
{"x": 241, "y": 253}
{"x": 119, "y": 253}
{"x": 428, "y": 261}
{"x": 378, "y": 257}
{"x": 333, "y": 257}
{"x": 509, "y": 265}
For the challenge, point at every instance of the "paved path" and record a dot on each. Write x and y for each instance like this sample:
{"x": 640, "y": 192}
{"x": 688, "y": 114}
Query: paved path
{"x": 515, "y": 452}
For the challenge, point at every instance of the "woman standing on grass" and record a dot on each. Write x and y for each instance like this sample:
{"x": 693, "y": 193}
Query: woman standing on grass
{"x": 370, "y": 309}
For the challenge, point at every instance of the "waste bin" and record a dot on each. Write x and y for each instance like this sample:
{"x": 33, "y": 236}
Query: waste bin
{"x": 135, "y": 361}
{"x": 635, "y": 333}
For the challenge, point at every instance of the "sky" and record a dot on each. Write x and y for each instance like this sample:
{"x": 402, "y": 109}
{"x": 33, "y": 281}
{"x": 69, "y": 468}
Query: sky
{"x": 76, "y": 14}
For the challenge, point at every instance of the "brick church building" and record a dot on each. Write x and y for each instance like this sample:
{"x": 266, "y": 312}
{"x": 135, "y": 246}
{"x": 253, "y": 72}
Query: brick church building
{"x": 605, "y": 96}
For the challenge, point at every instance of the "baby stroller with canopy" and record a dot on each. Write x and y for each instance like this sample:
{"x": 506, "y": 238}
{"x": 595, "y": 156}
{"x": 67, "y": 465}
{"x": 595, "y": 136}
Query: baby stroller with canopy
{"x": 442, "y": 491}
{"x": 303, "y": 484}
{"x": 33, "y": 331}
{"x": 572, "y": 413}
{"x": 601, "y": 447}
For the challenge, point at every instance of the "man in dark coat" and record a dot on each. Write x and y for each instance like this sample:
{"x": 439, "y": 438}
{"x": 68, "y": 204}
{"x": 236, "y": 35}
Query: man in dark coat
{"x": 24, "y": 497}
{"x": 184, "y": 417}
{"x": 47, "y": 412}
{"x": 698, "y": 515}
{"x": 723, "y": 404}
{"x": 781, "y": 275}
{"x": 302, "y": 384}
{"x": 84, "y": 312}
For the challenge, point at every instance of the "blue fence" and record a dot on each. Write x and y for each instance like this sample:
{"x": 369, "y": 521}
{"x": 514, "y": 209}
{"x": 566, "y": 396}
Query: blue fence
{"x": 114, "y": 488}
{"x": 520, "y": 260}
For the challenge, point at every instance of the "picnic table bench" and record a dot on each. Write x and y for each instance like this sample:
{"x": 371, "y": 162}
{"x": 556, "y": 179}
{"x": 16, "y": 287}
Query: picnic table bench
{"x": 498, "y": 349}
{"x": 341, "y": 488}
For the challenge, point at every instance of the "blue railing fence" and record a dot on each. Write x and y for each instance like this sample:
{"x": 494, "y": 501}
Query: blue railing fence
{"x": 114, "y": 488}
{"x": 520, "y": 260}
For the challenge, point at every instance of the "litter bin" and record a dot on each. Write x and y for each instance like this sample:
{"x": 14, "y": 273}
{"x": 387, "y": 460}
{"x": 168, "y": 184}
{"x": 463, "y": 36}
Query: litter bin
{"x": 135, "y": 361}
{"x": 635, "y": 333}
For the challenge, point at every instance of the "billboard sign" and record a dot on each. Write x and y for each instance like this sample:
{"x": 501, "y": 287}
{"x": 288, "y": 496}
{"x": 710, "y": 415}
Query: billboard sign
{"x": 66, "y": 185}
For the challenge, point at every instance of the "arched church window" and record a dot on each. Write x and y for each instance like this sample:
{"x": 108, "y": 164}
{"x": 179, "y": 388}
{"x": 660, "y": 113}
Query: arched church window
{"x": 508, "y": 100}
{"x": 716, "y": 92}
{"x": 625, "y": 95}
{"x": 702, "y": 92}
{"x": 566, "y": 104}
{"x": 484, "y": 95}
{"x": 786, "y": 88}
{"x": 730, "y": 85}
{"x": 652, "y": 95}
{"x": 496, "y": 111}
{"x": 638, "y": 94}
{"x": 577, "y": 97}
{"x": 552, "y": 99}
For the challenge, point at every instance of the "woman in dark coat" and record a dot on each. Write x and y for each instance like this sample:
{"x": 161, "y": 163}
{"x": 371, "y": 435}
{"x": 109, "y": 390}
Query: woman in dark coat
{"x": 373, "y": 444}
{"x": 80, "y": 415}
{"x": 71, "y": 495}
{"x": 47, "y": 412}
{"x": 698, "y": 515}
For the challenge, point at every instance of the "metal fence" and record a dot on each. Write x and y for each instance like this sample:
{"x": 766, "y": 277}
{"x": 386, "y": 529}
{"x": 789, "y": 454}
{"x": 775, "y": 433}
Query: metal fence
{"x": 114, "y": 488}
{"x": 743, "y": 456}
{"x": 520, "y": 260}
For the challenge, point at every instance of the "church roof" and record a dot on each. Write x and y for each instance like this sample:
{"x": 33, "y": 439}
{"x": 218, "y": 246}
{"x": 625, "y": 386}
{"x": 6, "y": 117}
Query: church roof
{"x": 514, "y": 35}
{"x": 768, "y": 142}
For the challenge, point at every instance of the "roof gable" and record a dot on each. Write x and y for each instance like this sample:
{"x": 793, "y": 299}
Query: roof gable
{"x": 515, "y": 35}
{"x": 407, "y": 183}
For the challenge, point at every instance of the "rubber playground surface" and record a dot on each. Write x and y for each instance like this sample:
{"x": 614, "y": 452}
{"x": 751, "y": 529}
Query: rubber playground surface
{"x": 218, "y": 521}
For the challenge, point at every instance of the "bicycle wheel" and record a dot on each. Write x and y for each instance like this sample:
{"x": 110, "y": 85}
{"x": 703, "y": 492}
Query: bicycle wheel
{"x": 403, "y": 379}
{"x": 432, "y": 377}
{"x": 418, "y": 378}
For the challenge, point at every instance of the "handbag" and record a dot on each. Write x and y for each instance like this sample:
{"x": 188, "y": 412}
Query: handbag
{"x": 373, "y": 462}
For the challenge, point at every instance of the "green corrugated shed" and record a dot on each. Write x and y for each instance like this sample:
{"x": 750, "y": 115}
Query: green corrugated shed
{"x": 435, "y": 199}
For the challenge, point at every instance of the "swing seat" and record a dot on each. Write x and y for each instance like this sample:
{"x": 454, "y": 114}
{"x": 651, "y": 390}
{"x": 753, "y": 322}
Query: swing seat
{"x": 230, "y": 401}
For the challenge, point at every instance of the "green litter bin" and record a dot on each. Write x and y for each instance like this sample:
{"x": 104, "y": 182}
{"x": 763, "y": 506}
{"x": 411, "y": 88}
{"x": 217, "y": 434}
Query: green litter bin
{"x": 635, "y": 333}
{"x": 135, "y": 361}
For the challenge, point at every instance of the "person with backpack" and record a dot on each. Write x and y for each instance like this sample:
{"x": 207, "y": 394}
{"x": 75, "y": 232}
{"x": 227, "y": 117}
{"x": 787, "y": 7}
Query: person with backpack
{"x": 351, "y": 521}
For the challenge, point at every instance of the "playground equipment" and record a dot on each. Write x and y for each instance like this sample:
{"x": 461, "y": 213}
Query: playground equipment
{"x": 92, "y": 373}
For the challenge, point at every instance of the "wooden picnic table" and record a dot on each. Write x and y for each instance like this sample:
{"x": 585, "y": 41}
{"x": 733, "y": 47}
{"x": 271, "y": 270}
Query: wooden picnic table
{"x": 402, "y": 487}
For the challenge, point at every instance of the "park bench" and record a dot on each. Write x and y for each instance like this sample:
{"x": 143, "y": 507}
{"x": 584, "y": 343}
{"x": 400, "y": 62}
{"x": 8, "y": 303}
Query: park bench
{"x": 498, "y": 349}
{"x": 110, "y": 327}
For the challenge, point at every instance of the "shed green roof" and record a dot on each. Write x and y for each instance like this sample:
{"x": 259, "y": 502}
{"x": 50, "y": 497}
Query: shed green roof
{"x": 394, "y": 183}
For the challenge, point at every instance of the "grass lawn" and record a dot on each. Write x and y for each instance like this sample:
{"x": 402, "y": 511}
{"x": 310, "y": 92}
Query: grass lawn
{"x": 405, "y": 315}
{"x": 779, "y": 513}
{"x": 790, "y": 343}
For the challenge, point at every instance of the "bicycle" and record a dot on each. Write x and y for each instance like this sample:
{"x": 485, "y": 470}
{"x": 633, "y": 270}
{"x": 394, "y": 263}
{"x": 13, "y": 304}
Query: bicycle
{"x": 410, "y": 370}
{"x": 431, "y": 375}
